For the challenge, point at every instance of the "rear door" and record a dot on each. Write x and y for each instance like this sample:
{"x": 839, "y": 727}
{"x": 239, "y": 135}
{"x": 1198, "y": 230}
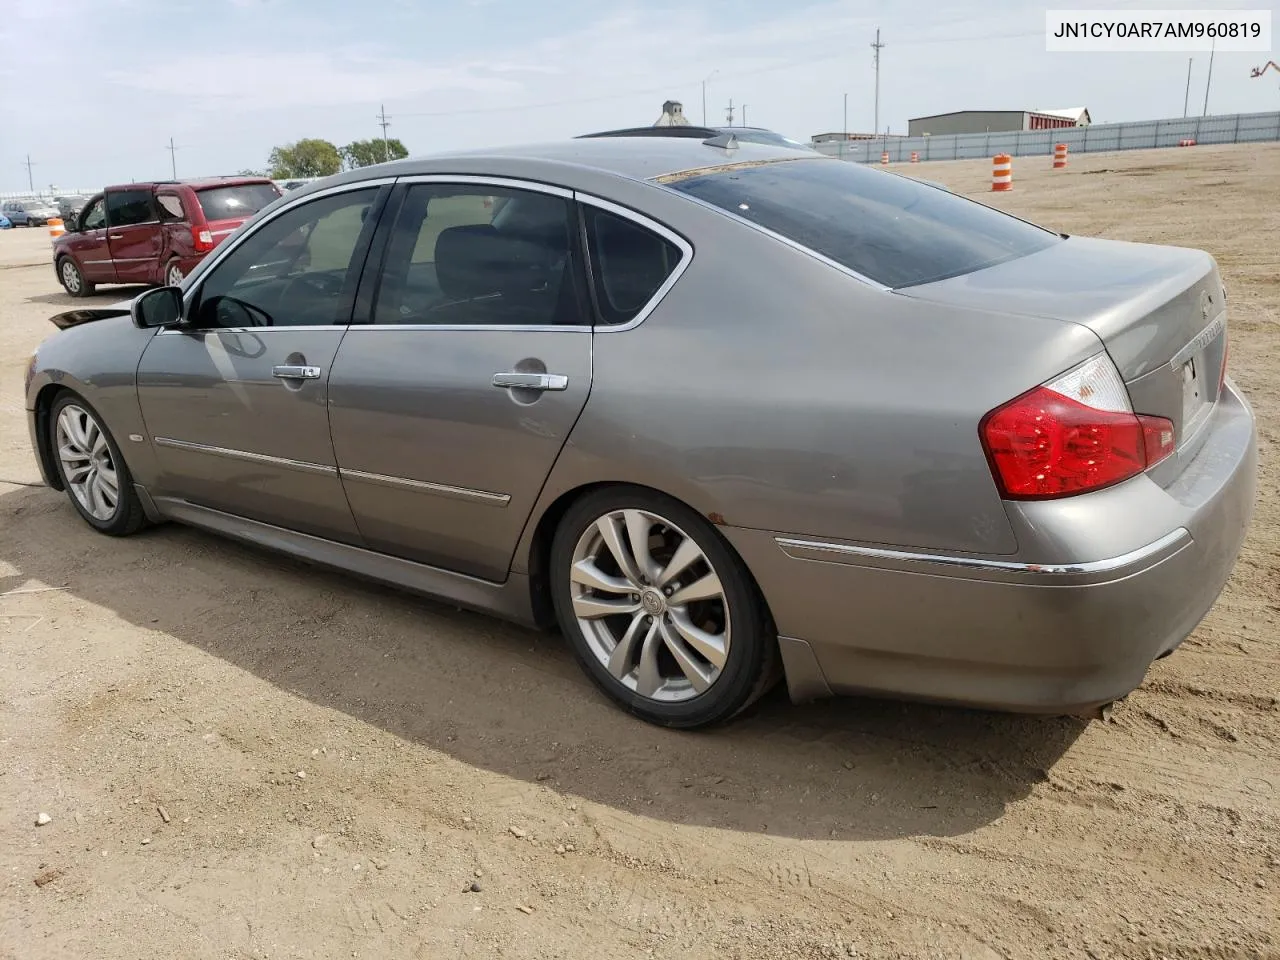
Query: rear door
{"x": 134, "y": 235}
{"x": 450, "y": 408}
{"x": 88, "y": 245}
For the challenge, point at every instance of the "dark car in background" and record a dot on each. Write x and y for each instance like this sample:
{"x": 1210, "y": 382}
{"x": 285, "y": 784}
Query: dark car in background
{"x": 69, "y": 207}
{"x": 154, "y": 233}
{"x": 29, "y": 213}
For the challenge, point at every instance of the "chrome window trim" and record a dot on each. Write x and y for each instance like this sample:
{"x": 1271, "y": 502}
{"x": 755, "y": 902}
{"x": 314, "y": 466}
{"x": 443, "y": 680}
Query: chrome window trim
{"x": 800, "y": 247}
{"x": 487, "y": 328}
{"x": 422, "y": 486}
{"x": 225, "y": 250}
{"x": 640, "y": 219}
{"x": 206, "y": 331}
{"x": 799, "y": 549}
{"x": 300, "y": 465}
{"x": 471, "y": 179}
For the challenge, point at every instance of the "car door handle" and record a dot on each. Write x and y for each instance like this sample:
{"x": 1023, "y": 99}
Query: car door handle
{"x": 531, "y": 381}
{"x": 294, "y": 371}
{"x": 115, "y": 236}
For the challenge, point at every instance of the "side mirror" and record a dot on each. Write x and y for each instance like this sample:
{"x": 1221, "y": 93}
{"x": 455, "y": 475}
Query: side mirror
{"x": 161, "y": 307}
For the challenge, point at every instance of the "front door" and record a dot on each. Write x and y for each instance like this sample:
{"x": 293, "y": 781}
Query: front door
{"x": 133, "y": 235}
{"x": 235, "y": 402}
{"x": 89, "y": 244}
{"x": 449, "y": 409}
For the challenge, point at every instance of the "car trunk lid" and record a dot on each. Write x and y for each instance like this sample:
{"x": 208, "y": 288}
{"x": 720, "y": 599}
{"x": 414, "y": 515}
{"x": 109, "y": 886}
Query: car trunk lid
{"x": 1159, "y": 312}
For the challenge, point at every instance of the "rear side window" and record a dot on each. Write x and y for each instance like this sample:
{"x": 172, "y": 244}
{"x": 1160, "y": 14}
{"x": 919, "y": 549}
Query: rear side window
{"x": 629, "y": 262}
{"x": 236, "y": 203}
{"x": 170, "y": 207}
{"x": 128, "y": 207}
{"x": 886, "y": 227}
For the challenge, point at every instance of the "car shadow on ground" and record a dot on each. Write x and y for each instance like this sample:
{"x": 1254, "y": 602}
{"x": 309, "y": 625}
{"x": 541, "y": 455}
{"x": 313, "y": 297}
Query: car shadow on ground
{"x": 514, "y": 702}
{"x": 101, "y": 297}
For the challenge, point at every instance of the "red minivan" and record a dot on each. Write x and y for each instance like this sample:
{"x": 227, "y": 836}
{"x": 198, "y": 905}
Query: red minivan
{"x": 154, "y": 233}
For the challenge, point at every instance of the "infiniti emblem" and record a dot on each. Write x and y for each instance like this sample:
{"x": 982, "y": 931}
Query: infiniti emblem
{"x": 653, "y": 602}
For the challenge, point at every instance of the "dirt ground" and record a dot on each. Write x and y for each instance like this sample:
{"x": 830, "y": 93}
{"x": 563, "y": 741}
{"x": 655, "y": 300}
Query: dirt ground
{"x": 243, "y": 757}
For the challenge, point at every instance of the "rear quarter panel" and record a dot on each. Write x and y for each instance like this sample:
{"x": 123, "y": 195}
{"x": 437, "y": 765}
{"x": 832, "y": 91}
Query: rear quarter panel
{"x": 770, "y": 390}
{"x": 99, "y": 361}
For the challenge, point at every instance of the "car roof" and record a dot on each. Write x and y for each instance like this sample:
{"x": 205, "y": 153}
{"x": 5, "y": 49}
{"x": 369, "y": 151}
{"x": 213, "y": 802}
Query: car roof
{"x": 638, "y": 158}
{"x": 202, "y": 183}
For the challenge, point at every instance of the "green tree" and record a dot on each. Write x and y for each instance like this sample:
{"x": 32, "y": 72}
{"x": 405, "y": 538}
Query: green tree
{"x": 306, "y": 158}
{"x": 365, "y": 153}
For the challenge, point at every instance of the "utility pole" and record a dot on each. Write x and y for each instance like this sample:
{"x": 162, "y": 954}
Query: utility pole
{"x": 877, "y": 47}
{"x": 384, "y": 121}
{"x": 1186, "y": 98}
{"x": 1209, "y": 79}
{"x": 31, "y": 184}
{"x": 729, "y": 112}
{"x": 704, "y": 95}
{"x": 744, "y": 114}
{"x": 844, "y": 141}
{"x": 173, "y": 158}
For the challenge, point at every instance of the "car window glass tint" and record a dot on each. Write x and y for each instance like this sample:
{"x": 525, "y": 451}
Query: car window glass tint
{"x": 170, "y": 207}
{"x": 128, "y": 207}
{"x": 883, "y": 226}
{"x": 95, "y": 216}
{"x": 236, "y": 202}
{"x": 294, "y": 271}
{"x": 481, "y": 256}
{"x": 629, "y": 262}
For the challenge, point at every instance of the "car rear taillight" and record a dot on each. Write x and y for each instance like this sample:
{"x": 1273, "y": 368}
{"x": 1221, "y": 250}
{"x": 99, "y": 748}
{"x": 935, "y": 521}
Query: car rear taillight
{"x": 202, "y": 238}
{"x": 1075, "y": 434}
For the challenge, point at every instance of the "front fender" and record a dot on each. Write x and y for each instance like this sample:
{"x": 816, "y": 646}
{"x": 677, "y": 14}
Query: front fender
{"x": 99, "y": 362}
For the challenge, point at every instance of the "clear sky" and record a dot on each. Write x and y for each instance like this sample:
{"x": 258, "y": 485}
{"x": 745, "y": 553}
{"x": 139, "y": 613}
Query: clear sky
{"x": 94, "y": 89}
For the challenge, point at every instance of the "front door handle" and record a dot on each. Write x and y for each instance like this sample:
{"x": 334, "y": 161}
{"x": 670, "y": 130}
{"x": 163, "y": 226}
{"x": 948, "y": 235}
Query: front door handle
{"x": 531, "y": 381}
{"x": 294, "y": 371}
{"x": 115, "y": 236}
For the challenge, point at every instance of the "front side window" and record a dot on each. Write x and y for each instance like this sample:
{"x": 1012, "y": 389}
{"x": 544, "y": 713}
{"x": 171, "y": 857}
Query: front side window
{"x": 299, "y": 269}
{"x": 126, "y": 208}
{"x": 480, "y": 255}
{"x": 95, "y": 215}
{"x": 629, "y": 263}
{"x": 170, "y": 207}
{"x": 887, "y": 228}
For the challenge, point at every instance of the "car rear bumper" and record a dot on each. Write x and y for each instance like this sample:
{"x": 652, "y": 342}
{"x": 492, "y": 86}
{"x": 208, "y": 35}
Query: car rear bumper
{"x": 1057, "y": 637}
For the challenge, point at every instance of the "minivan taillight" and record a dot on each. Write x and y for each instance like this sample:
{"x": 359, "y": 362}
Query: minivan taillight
{"x": 202, "y": 238}
{"x": 1073, "y": 435}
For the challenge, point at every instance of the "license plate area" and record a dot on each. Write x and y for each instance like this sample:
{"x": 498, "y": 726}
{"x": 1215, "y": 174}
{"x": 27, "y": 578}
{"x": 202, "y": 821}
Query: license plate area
{"x": 1198, "y": 388}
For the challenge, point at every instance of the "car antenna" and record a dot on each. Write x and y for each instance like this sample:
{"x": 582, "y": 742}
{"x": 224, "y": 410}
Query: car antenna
{"x": 726, "y": 141}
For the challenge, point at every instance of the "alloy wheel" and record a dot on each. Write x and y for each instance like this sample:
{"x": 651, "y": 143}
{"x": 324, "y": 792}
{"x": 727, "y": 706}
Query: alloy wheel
{"x": 70, "y": 277}
{"x": 173, "y": 276}
{"x": 650, "y": 605}
{"x": 87, "y": 464}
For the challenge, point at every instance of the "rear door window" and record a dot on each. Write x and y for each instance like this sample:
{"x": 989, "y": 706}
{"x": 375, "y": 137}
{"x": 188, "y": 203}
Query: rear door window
{"x": 126, "y": 208}
{"x": 629, "y": 264}
{"x": 236, "y": 202}
{"x": 887, "y": 228}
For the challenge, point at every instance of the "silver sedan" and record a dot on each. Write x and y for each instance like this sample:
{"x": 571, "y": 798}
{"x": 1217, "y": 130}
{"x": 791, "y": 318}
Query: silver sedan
{"x": 722, "y": 414}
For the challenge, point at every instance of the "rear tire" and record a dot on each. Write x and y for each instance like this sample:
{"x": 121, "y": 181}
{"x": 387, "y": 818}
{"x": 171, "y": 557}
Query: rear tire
{"x": 691, "y": 643}
{"x": 173, "y": 275}
{"x": 93, "y": 472}
{"x": 73, "y": 280}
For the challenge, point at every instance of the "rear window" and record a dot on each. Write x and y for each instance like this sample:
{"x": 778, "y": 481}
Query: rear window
{"x": 232, "y": 203}
{"x": 888, "y": 228}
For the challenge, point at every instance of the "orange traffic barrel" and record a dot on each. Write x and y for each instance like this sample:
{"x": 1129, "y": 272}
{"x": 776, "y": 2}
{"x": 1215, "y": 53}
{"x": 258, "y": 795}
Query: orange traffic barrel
{"x": 884, "y": 157}
{"x": 1060, "y": 156}
{"x": 56, "y": 228}
{"x": 1189, "y": 142}
{"x": 915, "y": 157}
{"x": 1002, "y": 172}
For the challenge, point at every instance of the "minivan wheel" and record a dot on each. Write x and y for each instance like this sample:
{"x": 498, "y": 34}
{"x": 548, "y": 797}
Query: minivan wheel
{"x": 659, "y": 610}
{"x": 73, "y": 280}
{"x": 173, "y": 274}
{"x": 94, "y": 474}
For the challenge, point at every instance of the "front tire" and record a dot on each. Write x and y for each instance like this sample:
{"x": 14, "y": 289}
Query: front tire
{"x": 73, "y": 280}
{"x": 659, "y": 610}
{"x": 95, "y": 476}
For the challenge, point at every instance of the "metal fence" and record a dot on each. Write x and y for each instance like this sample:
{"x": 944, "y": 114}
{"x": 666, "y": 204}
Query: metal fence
{"x": 46, "y": 194}
{"x": 1143, "y": 135}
